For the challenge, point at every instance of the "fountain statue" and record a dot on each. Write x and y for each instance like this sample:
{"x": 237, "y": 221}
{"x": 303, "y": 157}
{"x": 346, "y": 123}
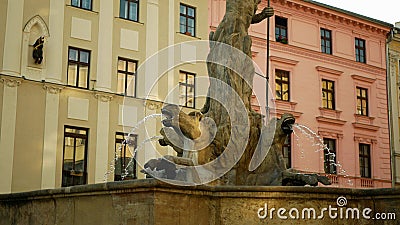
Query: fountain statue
{"x": 226, "y": 143}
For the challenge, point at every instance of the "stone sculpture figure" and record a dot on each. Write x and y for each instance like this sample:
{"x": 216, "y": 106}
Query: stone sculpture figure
{"x": 218, "y": 128}
{"x": 38, "y": 50}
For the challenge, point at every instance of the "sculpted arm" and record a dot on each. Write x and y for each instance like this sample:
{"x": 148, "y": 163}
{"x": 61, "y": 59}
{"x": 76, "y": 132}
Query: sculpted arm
{"x": 267, "y": 12}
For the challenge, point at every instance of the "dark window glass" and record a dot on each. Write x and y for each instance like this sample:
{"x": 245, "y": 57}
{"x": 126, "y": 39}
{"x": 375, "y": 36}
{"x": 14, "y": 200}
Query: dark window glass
{"x": 129, "y": 9}
{"x": 326, "y": 41}
{"x": 281, "y": 30}
{"x": 328, "y": 94}
{"x": 126, "y": 77}
{"x": 282, "y": 85}
{"x": 187, "y": 89}
{"x": 78, "y": 67}
{"x": 187, "y": 20}
{"x": 360, "y": 50}
{"x": 330, "y": 156}
{"x": 74, "y": 156}
{"x": 84, "y": 4}
{"x": 125, "y": 163}
{"x": 365, "y": 160}
{"x": 362, "y": 101}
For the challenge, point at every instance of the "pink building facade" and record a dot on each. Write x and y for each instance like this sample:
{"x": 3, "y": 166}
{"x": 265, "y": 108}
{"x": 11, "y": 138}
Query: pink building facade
{"x": 327, "y": 68}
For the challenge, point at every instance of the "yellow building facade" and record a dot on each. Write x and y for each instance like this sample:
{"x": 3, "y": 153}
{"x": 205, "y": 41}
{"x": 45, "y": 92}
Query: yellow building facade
{"x": 394, "y": 99}
{"x": 67, "y": 104}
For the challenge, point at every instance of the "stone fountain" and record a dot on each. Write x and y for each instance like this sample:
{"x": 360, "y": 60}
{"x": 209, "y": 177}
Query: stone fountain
{"x": 227, "y": 143}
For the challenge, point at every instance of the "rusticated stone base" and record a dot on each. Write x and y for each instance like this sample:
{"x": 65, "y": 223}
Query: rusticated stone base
{"x": 151, "y": 202}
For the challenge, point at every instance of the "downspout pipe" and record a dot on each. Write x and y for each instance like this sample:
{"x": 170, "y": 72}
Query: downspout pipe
{"x": 390, "y": 109}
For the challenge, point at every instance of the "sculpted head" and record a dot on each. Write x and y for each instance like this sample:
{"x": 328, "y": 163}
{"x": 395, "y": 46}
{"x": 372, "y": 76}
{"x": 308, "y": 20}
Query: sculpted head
{"x": 283, "y": 127}
{"x": 287, "y": 121}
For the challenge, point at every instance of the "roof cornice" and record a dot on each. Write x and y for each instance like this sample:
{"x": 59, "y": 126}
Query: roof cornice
{"x": 338, "y": 15}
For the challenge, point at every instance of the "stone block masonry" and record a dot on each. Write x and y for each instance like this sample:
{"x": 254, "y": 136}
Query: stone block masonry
{"x": 151, "y": 202}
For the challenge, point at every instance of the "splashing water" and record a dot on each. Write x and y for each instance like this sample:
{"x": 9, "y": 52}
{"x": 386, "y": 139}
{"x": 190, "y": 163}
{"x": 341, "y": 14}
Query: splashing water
{"x": 313, "y": 137}
{"x": 140, "y": 123}
{"x": 128, "y": 141}
{"x": 318, "y": 142}
{"x": 140, "y": 146}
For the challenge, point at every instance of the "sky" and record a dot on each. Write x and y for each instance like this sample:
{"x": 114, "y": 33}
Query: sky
{"x": 383, "y": 10}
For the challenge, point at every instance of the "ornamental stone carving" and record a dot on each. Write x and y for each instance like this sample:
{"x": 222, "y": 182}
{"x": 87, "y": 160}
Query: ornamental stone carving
{"x": 103, "y": 97}
{"x": 52, "y": 89}
{"x": 152, "y": 105}
{"x": 11, "y": 82}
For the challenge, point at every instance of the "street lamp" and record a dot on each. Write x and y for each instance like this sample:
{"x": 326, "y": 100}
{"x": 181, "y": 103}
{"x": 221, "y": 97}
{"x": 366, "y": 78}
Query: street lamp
{"x": 267, "y": 72}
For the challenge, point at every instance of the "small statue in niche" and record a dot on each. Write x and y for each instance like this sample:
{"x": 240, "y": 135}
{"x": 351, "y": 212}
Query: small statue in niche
{"x": 38, "y": 50}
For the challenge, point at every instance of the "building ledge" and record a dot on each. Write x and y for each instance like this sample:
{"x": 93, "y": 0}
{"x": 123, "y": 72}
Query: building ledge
{"x": 283, "y": 60}
{"x": 286, "y": 105}
{"x": 365, "y": 126}
{"x": 329, "y": 120}
{"x": 364, "y": 122}
{"x": 364, "y": 119}
{"x": 329, "y": 70}
{"x": 330, "y": 116}
{"x": 282, "y": 107}
{"x": 362, "y": 78}
{"x": 280, "y": 112}
{"x": 330, "y": 113}
{"x": 188, "y": 36}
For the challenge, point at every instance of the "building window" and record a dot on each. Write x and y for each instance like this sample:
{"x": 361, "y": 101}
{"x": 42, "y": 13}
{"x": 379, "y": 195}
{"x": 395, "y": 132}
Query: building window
{"x": 282, "y": 85}
{"x": 362, "y": 101}
{"x": 287, "y": 151}
{"x": 126, "y": 76}
{"x": 281, "y": 34}
{"x": 83, "y": 4}
{"x": 326, "y": 41}
{"x": 78, "y": 67}
{"x": 360, "y": 50}
{"x": 365, "y": 160}
{"x": 187, "y": 20}
{"x": 74, "y": 156}
{"x": 330, "y": 156}
{"x": 187, "y": 89}
{"x": 129, "y": 9}
{"x": 125, "y": 164}
{"x": 328, "y": 94}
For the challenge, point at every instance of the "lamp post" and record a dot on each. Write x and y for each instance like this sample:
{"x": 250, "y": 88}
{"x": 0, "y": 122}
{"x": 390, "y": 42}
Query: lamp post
{"x": 267, "y": 72}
